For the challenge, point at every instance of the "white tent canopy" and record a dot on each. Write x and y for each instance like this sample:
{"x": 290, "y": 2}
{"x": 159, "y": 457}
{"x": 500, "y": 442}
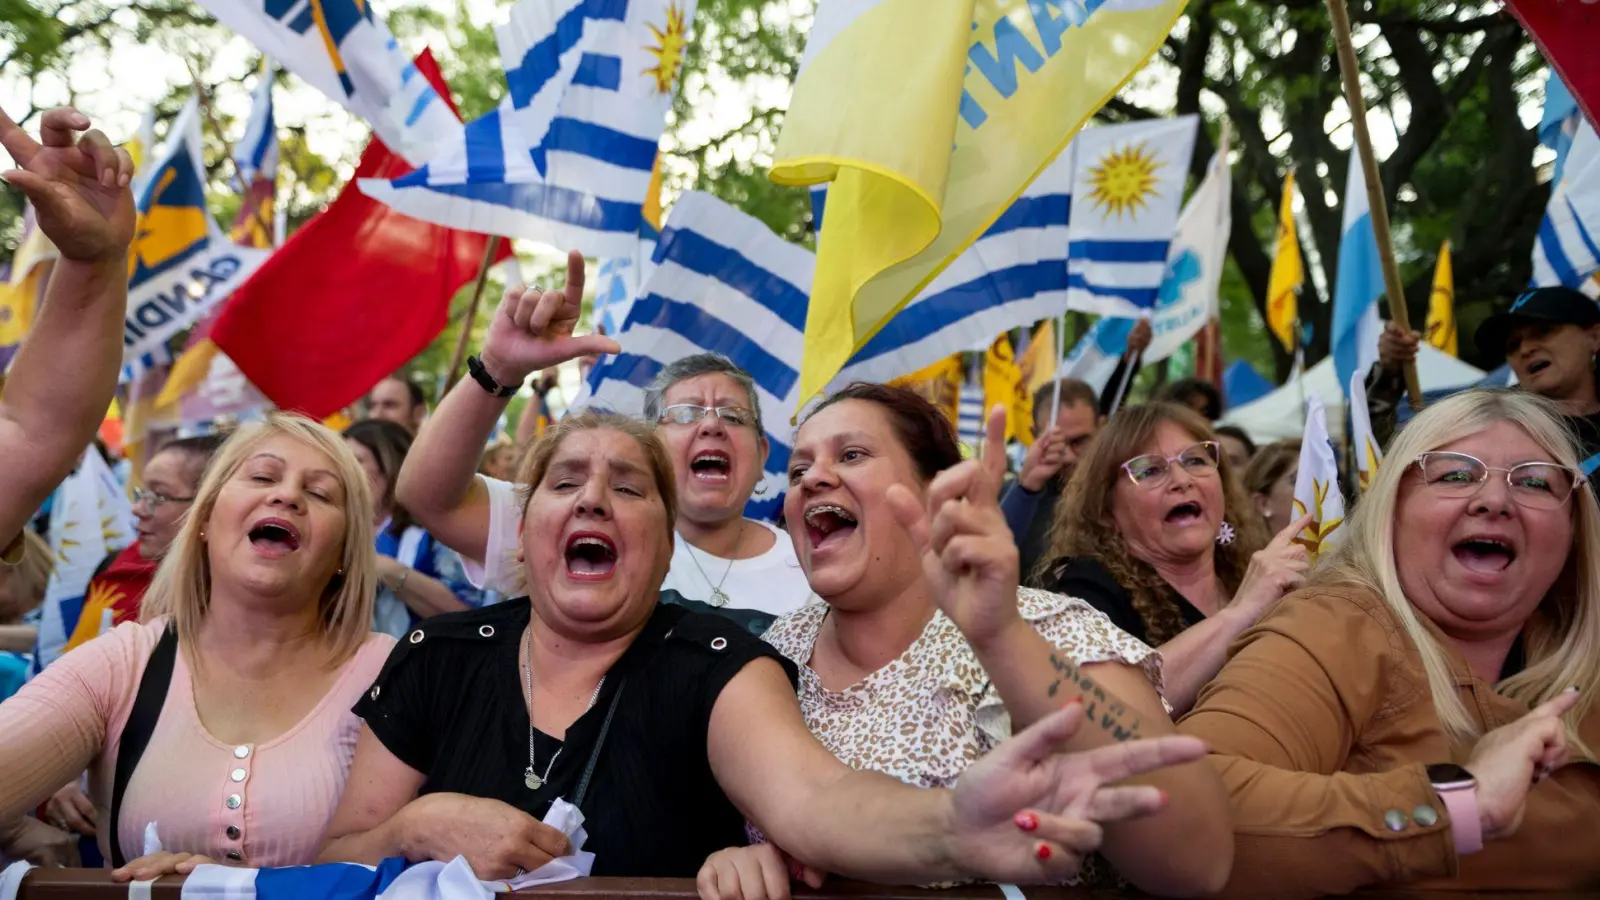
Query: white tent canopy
{"x": 1280, "y": 415}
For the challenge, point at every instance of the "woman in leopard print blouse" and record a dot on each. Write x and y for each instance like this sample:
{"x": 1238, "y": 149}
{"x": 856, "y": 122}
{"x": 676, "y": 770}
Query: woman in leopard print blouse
{"x": 926, "y": 653}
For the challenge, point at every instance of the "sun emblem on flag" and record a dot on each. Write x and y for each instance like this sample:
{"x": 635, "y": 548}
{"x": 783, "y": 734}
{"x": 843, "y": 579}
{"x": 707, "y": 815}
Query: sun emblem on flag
{"x": 671, "y": 42}
{"x": 1124, "y": 180}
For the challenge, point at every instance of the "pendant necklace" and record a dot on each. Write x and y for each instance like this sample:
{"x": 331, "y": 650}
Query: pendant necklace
{"x": 531, "y": 778}
{"x": 718, "y": 598}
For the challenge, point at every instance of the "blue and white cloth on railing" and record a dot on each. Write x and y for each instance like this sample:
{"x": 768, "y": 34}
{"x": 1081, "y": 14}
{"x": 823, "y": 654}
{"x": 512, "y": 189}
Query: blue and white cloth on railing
{"x": 1014, "y": 275}
{"x": 1567, "y": 250}
{"x": 723, "y": 283}
{"x": 1127, "y": 187}
{"x": 566, "y": 158}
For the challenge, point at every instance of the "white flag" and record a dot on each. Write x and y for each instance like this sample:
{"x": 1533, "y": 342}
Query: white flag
{"x": 1368, "y": 453}
{"x": 1316, "y": 486}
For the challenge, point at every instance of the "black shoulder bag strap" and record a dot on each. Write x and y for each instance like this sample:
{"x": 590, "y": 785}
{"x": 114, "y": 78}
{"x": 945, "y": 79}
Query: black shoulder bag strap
{"x": 141, "y": 724}
{"x": 594, "y": 755}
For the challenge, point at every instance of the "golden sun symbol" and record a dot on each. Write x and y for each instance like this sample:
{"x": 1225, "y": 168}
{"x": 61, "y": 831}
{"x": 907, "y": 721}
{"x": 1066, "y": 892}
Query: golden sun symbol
{"x": 1123, "y": 180}
{"x": 668, "y": 51}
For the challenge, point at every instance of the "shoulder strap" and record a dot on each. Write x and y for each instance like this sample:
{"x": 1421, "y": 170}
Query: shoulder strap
{"x": 141, "y": 724}
{"x": 594, "y": 755}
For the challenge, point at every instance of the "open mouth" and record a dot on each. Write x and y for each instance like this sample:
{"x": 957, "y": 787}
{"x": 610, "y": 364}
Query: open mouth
{"x": 1487, "y": 555}
{"x": 274, "y": 537}
{"x": 590, "y": 556}
{"x": 1538, "y": 366}
{"x": 826, "y": 524}
{"x": 1184, "y": 514}
{"x": 711, "y": 465}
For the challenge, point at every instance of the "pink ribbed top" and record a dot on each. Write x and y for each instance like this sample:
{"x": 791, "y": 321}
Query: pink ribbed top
{"x": 261, "y": 805}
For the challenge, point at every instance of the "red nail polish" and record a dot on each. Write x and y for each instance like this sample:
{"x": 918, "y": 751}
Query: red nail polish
{"x": 1074, "y": 700}
{"x": 1027, "y": 821}
{"x": 1043, "y": 852}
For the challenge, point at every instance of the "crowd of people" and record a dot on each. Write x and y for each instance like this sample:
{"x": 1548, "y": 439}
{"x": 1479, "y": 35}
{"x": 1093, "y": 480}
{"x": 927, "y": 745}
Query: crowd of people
{"x": 1117, "y": 666}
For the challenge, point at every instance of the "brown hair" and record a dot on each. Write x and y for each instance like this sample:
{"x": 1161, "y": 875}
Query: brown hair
{"x": 1084, "y": 525}
{"x": 923, "y": 429}
{"x": 1073, "y": 392}
{"x": 1269, "y": 464}
{"x": 537, "y": 463}
{"x": 28, "y": 578}
{"x": 388, "y": 442}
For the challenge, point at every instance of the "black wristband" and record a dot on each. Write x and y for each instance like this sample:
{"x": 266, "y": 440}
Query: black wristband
{"x": 486, "y": 381}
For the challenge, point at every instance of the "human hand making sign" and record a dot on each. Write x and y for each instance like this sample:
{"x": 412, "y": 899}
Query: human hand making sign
{"x": 78, "y": 185}
{"x": 969, "y": 555}
{"x": 532, "y": 329}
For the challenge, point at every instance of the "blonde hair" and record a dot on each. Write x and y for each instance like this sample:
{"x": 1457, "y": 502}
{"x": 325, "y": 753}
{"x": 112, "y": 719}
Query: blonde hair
{"x": 1084, "y": 525}
{"x": 181, "y": 588}
{"x": 29, "y": 577}
{"x": 1562, "y": 639}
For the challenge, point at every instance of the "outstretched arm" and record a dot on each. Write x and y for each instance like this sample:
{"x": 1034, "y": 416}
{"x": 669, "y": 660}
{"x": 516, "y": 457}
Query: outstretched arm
{"x": 62, "y": 379}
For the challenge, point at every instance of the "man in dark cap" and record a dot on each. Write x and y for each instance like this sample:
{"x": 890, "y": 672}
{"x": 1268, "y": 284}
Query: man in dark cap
{"x": 1550, "y": 337}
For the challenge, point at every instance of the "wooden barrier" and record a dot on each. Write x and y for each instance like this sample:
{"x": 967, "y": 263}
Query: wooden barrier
{"x": 96, "y": 884}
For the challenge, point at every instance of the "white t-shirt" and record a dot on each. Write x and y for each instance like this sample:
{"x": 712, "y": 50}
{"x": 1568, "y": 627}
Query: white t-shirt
{"x": 759, "y": 589}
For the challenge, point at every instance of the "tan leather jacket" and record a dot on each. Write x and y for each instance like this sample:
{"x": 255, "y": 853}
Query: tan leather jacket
{"x": 1321, "y": 725}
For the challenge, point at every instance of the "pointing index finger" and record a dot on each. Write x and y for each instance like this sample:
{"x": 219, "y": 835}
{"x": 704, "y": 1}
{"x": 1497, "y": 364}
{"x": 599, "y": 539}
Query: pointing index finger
{"x": 994, "y": 446}
{"x": 16, "y": 141}
{"x": 1285, "y": 537}
{"x": 574, "y": 276}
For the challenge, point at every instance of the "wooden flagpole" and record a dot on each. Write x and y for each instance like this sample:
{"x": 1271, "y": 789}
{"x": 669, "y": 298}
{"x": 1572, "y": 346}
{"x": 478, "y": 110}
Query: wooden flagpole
{"x": 460, "y": 356}
{"x": 1351, "y": 74}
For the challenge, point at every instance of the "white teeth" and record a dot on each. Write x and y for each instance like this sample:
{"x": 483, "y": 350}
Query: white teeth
{"x": 813, "y": 512}
{"x": 593, "y": 541}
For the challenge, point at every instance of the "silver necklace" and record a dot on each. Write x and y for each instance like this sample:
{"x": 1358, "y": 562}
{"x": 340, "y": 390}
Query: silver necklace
{"x": 718, "y": 598}
{"x": 531, "y": 778}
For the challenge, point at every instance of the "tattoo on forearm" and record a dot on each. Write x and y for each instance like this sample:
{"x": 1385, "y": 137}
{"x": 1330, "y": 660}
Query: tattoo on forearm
{"x": 1100, "y": 709}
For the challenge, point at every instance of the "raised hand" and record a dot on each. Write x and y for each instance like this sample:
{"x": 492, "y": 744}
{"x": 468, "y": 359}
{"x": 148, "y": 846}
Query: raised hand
{"x": 1027, "y": 814}
{"x": 532, "y": 329}
{"x": 1275, "y": 570}
{"x": 969, "y": 555}
{"x": 1043, "y": 461}
{"x": 78, "y": 185}
{"x": 1509, "y": 760}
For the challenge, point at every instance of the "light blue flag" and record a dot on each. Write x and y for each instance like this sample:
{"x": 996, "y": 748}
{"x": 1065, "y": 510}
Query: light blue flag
{"x": 1127, "y": 188}
{"x": 341, "y": 48}
{"x": 566, "y": 159}
{"x": 1567, "y": 249}
{"x": 1559, "y": 123}
{"x": 723, "y": 283}
{"x": 1358, "y": 284}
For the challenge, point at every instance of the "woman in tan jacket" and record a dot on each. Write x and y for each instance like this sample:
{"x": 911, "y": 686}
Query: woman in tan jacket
{"x": 1423, "y": 712}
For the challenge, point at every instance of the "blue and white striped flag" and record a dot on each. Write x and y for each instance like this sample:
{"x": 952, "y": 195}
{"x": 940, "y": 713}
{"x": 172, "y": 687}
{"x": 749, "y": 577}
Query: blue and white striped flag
{"x": 969, "y": 414}
{"x": 1567, "y": 250}
{"x": 256, "y": 154}
{"x": 723, "y": 283}
{"x": 1558, "y": 125}
{"x": 1127, "y": 187}
{"x": 1359, "y": 282}
{"x": 1015, "y": 275}
{"x": 341, "y": 48}
{"x": 567, "y": 157}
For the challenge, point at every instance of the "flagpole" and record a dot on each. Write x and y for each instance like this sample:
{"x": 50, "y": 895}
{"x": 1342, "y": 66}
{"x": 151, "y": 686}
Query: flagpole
{"x": 1351, "y": 74}
{"x": 1060, "y": 334}
{"x": 489, "y": 251}
{"x": 227, "y": 149}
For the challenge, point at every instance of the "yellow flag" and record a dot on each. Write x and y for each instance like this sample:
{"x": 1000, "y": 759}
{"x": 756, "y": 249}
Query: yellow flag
{"x": 1288, "y": 273}
{"x": 188, "y": 372}
{"x": 20, "y": 295}
{"x": 1442, "y": 305}
{"x": 1004, "y": 385}
{"x": 1039, "y": 361}
{"x": 928, "y": 118}
{"x": 939, "y": 384}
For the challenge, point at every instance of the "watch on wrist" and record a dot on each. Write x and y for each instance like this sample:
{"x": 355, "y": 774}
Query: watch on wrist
{"x": 1458, "y": 790}
{"x": 486, "y": 381}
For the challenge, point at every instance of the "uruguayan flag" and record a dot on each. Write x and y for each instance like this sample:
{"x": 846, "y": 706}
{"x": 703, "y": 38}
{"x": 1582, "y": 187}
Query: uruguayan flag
{"x": 1359, "y": 282}
{"x": 723, "y": 283}
{"x": 181, "y": 265}
{"x": 1567, "y": 250}
{"x": 1127, "y": 186}
{"x": 256, "y": 154}
{"x": 1559, "y": 124}
{"x": 345, "y": 51}
{"x": 1015, "y": 275}
{"x": 969, "y": 414}
{"x": 91, "y": 518}
{"x": 1188, "y": 295}
{"x": 567, "y": 157}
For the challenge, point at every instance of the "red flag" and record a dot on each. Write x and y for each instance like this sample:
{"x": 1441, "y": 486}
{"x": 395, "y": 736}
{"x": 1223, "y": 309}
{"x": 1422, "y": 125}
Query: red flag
{"x": 350, "y": 296}
{"x": 1567, "y": 32}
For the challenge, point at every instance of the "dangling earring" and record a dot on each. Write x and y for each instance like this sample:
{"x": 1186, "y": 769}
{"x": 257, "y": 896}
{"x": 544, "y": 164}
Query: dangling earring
{"x": 202, "y": 535}
{"x": 1224, "y": 535}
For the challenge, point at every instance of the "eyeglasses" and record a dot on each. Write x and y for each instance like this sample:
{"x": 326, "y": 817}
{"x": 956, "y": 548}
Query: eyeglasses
{"x": 1535, "y": 485}
{"x": 155, "y": 499}
{"x": 689, "y": 414}
{"x": 1152, "y": 469}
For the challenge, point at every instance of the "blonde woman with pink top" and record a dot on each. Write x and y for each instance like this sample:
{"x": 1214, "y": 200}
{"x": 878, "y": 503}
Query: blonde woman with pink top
{"x": 239, "y": 680}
